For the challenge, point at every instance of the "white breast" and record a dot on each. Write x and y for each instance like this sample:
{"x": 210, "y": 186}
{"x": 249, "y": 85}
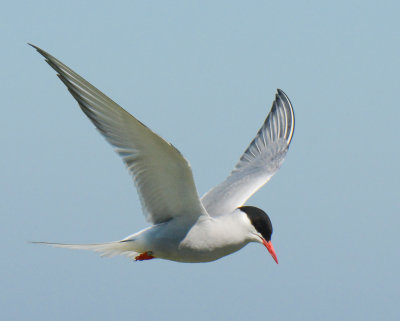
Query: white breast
{"x": 205, "y": 240}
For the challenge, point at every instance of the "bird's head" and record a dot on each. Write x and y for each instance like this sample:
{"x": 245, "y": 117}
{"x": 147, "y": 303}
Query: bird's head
{"x": 262, "y": 227}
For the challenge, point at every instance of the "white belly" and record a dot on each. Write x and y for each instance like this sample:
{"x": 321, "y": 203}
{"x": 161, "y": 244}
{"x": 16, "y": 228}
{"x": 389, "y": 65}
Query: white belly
{"x": 203, "y": 241}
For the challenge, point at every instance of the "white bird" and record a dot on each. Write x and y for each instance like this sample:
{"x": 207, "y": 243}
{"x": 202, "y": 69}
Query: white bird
{"x": 184, "y": 227}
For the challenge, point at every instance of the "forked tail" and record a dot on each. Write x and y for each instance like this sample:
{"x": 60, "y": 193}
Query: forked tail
{"x": 105, "y": 249}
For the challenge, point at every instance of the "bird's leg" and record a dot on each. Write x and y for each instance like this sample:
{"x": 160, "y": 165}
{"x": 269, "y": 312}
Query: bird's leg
{"x": 144, "y": 256}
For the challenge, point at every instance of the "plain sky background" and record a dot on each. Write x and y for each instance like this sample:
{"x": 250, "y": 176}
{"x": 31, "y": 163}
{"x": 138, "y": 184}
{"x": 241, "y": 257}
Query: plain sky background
{"x": 203, "y": 75}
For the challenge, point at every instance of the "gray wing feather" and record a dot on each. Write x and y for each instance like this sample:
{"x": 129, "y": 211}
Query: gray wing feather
{"x": 259, "y": 162}
{"x": 161, "y": 174}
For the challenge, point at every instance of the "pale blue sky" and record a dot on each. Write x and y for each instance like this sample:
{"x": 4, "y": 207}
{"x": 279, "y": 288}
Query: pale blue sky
{"x": 203, "y": 75}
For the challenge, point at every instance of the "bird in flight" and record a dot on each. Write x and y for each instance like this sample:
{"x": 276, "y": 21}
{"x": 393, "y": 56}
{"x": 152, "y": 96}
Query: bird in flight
{"x": 185, "y": 227}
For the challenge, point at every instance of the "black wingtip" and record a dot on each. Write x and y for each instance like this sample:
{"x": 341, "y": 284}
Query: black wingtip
{"x": 45, "y": 54}
{"x": 281, "y": 93}
{"x": 33, "y": 46}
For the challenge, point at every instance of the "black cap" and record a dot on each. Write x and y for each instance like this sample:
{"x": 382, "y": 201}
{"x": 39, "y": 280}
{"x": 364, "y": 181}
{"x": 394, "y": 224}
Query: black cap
{"x": 260, "y": 221}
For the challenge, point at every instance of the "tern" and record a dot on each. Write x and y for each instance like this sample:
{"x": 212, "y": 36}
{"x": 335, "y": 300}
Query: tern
{"x": 185, "y": 227}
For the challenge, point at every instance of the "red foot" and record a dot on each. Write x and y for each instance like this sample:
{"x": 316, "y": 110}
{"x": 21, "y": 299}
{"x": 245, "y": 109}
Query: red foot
{"x": 144, "y": 256}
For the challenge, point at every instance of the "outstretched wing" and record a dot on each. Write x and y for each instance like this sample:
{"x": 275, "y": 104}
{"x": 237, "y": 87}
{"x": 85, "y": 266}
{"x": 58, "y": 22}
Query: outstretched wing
{"x": 161, "y": 174}
{"x": 259, "y": 162}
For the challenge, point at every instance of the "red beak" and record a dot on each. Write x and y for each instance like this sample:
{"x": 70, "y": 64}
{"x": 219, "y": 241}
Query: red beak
{"x": 270, "y": 249}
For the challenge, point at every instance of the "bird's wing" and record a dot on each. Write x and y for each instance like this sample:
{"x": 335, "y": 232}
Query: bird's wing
{"x": 259, "y": 162}
{"x": 161, "y": 174}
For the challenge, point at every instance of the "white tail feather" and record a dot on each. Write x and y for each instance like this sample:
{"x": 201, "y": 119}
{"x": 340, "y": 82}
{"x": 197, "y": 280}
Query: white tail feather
{"x": 106, "y": 249}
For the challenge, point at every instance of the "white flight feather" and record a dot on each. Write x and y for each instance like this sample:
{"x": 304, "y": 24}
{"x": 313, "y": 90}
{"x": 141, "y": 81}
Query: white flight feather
{"x": 162, "y": 176}
{"x": 259, "y": 162}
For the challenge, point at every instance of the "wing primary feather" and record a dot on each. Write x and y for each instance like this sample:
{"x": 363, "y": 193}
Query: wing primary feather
{"x": 162, "y": 176}
{"x": 260, "y": 161}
